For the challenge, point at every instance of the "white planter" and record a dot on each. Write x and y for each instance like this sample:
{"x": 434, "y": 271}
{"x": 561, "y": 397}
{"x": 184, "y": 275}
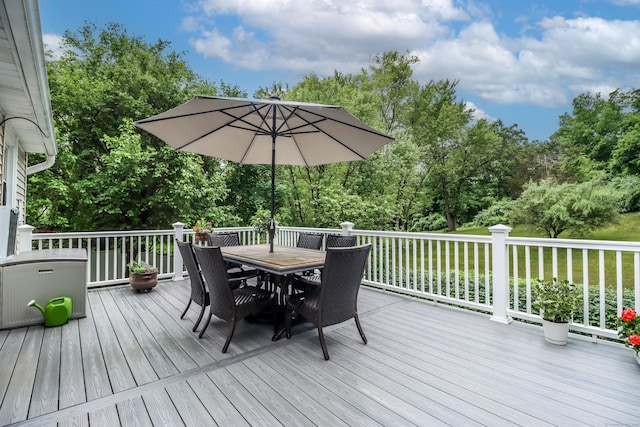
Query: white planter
{"x": 555, "y": 333}
{"x": 638, "y": 358}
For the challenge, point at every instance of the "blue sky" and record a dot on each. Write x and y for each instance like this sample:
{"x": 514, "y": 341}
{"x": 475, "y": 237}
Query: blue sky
{"x": 517, "y": 60}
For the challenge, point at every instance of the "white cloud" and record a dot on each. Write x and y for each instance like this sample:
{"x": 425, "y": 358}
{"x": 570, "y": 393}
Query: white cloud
{"x": 52, "y": 44}
{"x": 564, "y": 57}
{"x": 478, "y": 114}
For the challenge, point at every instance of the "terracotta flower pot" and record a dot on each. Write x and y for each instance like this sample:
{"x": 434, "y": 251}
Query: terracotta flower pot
{"x": 201, "y": 237}
{"x": 143, "y": 281}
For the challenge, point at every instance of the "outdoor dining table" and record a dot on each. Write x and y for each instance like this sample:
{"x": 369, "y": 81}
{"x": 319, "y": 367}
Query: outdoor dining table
{"x": 282, "y": 263}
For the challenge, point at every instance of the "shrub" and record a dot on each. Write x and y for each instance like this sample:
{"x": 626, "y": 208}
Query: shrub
{"x": 498, "y": 213}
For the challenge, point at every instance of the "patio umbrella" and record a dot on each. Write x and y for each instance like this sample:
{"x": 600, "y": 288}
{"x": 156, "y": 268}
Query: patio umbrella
{"x": 265, "y": 132}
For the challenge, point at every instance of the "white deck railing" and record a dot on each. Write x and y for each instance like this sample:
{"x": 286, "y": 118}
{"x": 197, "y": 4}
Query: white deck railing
{"x": 493, "y": 274}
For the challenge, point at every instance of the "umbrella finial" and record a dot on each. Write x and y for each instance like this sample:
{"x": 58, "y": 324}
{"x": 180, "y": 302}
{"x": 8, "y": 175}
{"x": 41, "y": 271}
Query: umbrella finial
{"x": 274, "y": 97}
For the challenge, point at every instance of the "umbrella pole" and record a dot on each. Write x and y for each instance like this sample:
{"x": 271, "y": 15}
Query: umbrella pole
{"x": 272, "y": 223}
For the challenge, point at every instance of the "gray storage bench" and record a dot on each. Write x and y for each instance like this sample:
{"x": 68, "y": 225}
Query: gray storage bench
{"x": 41, "y": 275}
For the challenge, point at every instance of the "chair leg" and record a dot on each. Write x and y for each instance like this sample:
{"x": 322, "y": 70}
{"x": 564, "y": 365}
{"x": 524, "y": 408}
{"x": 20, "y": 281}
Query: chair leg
{"x": 205, "y": 325}
{"x": 364, "y": 339}
{"x": 229, "y": 336}
{"x": 199, "y": 319}
{"x": 186, "y": 309}
{"x": 323, "y": 344}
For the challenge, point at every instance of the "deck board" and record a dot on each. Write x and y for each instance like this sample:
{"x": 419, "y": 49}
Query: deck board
{"x": 136, "y": 358}
{"x": 171, "y": 347}
{"x": 133, "y": 361}
{"x": 120, "y": 377}
{"x": 15, "y": 405}
{"x": 133, "y": 412}
{"x": 219, "y": 407}
{"x": 8, "y": 357}
{"x": 191, "y": 409}
{"x": 72, "y": 386}
{"x": 161, "y": 409}
{"x": 104, "y": 417}
{"x": 47, "y": 382}
{"x": 155, "y": 354}
{"x": 96, "y": 378}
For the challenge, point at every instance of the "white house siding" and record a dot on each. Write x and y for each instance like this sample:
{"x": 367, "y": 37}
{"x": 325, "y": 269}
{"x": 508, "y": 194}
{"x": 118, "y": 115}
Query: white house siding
{"x": 21, "y": 183}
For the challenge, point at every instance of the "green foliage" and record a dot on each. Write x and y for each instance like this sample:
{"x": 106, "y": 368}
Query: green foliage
{"x": 140, "y": 267}
{"x": 627, "y": 190}
{"x": 601, "y": 134}
{"x": 443, "y": 164}
{"x": 260, "y": 221}
{"x": 555, "y": 208}
{"x": 431, "y": 222}
{"x": 556, "y": 299}
{"x": 107, "y": 175}
{"x": 466, "y": 162}
{"x": 498, "y": 213}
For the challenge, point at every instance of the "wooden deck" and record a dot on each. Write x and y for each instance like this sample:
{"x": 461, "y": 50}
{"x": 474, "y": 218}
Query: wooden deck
{"x": 132, "y": 361}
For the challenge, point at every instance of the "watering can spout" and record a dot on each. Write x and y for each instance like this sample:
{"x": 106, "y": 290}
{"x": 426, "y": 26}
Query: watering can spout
{"x": 33, "y": 303}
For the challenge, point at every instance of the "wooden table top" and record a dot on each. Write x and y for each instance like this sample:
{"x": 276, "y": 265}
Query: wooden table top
{"x": 283, "y": 259}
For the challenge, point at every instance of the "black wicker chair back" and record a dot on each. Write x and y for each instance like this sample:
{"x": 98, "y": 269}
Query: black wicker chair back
{"x": 223, "y": 239}
{"x": 310, "y": 241}
{"x": 226, "y": 239}
{"x": 227, "y": 303}
{"x": 339, "y": 241}
{"x": 336, "y": 299}
{"x": 199, "y": 293}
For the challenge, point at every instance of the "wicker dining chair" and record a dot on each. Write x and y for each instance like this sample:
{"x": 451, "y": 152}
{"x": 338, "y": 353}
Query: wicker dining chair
{"x": 336, "y": 299}
{"x": 199, "y": 293}
{"x": 231, "y": 238}
{"x": 340, "y": 241}
{"x": 230, "y": 305}
{"x": 310, "y": 241}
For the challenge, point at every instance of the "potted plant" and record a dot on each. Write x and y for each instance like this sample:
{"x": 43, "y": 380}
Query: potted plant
{"x": 202, "y": 228}
{"x": 142, "y": 276}
{"x": 556, "y": 300}
{"x": 629, "y": 323}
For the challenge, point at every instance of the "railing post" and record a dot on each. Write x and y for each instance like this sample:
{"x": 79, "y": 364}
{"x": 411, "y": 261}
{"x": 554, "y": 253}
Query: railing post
{"x": 500, "y": 288}
{"x": 347, "y": 227}
{"x": 178, "y": 232}
{"x": 24, "y": 236}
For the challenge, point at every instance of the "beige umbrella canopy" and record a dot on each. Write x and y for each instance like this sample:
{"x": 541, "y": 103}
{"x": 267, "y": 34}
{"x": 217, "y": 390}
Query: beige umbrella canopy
{"x": 265, "y": 132}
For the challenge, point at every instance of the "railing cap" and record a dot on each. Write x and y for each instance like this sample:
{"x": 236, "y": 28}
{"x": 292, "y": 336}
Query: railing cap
{"x": 500, "y": 228}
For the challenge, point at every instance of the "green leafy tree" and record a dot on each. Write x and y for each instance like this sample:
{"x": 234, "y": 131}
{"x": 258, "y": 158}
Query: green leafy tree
{"x": 382, "y": 188}
{"x": 108, "y": 175}
{"x": 599, "y": 135}
{"x": 556, "y": 208}
{"x": 458, "y": 154}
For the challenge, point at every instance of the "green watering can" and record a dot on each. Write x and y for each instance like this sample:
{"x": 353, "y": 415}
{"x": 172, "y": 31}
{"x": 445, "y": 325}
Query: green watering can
{"x": 57, "y": 311}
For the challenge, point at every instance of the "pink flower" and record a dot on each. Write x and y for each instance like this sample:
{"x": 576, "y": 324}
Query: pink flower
{"x": 628, "y": 315}
{"x": 634, "y": 340}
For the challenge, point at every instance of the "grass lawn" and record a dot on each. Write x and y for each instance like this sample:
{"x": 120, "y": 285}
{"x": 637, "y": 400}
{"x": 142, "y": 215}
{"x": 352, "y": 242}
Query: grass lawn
{"x": 627, "y": 230}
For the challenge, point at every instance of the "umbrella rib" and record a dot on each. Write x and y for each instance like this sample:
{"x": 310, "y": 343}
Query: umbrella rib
{"x": 227, "y": 124}
{"x": 288, "y": 134}
{"x": 314, "y": 125}
{"x": 259, "y": 129}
